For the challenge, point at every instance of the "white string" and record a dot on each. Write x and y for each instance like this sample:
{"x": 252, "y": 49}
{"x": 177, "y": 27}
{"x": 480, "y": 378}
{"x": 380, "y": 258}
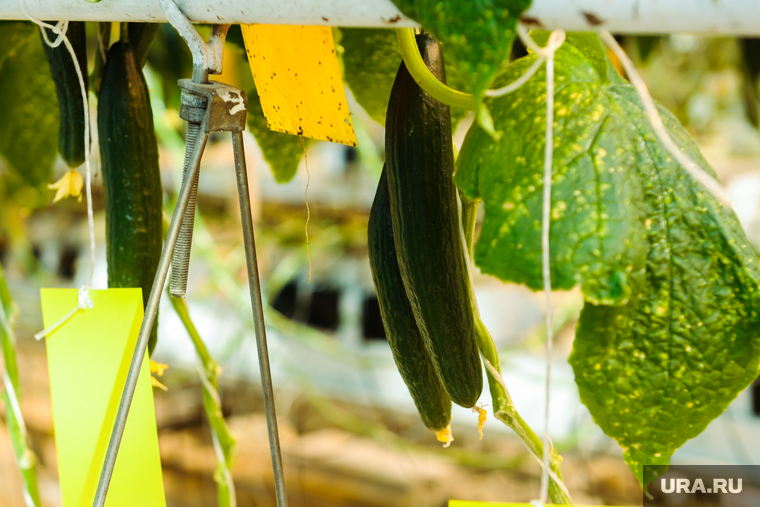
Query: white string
{"x": 60, "y": 30}
{"x": 83, "y": 303}
{"x": 556, "y": 39}
{"x": 696, "y": 172}
{"x": 499, "y": 92}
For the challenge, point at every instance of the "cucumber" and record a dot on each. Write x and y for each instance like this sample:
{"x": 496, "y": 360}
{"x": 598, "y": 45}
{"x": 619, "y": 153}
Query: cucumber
{"x": 408, "y": 347}
{"x": 141, "y": 37}
{"x": 424, "y": 208}
{"x": 71, "y": 129}
{"x": 131, "y": 177}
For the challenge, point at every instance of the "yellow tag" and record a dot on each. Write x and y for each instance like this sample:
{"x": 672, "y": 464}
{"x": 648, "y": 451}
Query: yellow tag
{"x": 298, "y": 80}
{"x": 88, "y": 360}
{"x": 464, "y": 503}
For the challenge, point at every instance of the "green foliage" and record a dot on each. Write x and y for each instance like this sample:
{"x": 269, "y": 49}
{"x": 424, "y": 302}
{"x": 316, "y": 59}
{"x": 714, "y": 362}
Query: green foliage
{"x": 477, "y": 34}
{"x": 29, "y": 130}
{"x": 670, "y": 332}
{"x": 597, "y": 239}
{"x": 371, "y": 59}
{"x": 282, "y": 152}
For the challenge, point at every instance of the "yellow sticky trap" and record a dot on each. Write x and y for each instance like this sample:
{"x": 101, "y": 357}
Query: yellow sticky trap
{"x": 88, "y": 360}
{"x": 465, "y": 503}
{"x": 298, "y": 81}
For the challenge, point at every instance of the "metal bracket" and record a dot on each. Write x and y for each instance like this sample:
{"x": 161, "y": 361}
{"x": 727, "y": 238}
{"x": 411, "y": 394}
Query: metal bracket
{"x": 226, "y": 108}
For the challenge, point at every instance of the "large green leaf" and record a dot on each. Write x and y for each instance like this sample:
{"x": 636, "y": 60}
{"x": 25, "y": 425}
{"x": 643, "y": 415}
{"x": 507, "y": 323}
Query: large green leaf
{"x": 670, "y": 332}
{"x": 478, "y": 34}
{"x": 597, "y": 237}
{"x": 281, "y": 151}
{"x": 29, "y": 130}
{"x": 656, "y": 371}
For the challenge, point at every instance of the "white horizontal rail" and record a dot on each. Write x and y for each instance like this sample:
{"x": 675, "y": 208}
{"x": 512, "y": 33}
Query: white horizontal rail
{"x": 726, "y": 17}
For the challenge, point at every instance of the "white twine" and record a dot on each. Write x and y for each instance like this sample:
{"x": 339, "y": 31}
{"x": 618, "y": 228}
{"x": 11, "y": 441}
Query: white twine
{"x": 60, "y": 30}
{"x": 556, "y": 39}
{"x": 696, "y": 172}
{"x": 83, "y": 303}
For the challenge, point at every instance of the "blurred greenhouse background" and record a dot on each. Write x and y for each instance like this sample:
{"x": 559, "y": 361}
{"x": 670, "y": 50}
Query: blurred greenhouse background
{"x": 349, "y": 430}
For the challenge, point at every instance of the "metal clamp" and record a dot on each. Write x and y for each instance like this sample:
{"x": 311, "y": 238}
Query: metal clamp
{"x": 208, "y": 107}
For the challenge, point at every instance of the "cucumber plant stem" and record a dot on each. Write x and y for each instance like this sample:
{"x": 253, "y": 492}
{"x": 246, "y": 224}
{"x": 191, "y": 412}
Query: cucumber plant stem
{"x": 211, "y": 402}
{"x": 422, "y": 75}
{"x": 503, "y": 408}
{"x": 25, "y": 457}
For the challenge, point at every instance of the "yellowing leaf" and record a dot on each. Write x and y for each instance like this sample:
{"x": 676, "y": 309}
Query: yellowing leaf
{"x": 298, "y": 80}
{"x": 69, "y": 185}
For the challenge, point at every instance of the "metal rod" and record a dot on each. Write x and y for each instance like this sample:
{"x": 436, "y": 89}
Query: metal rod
{"x": 254, "y": 284}
{"x": 147, "y": 326}
{"x": 734, "y": 17}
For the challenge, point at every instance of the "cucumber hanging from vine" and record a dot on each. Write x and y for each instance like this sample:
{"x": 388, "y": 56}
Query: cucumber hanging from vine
{"x": 71, "y": 144}
{"x": 131, "y": 176}
{"x": 429, "y": 246}
{"x": 408, "y": 347}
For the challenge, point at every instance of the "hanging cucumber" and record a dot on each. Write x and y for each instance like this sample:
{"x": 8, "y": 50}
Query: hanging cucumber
{"x": 131, "y": 177}
{"x": 141, "y": 37}
{"x": 71, "y": 129}
{"x": 423, "y": 200}
{"x": 408, "y": 347}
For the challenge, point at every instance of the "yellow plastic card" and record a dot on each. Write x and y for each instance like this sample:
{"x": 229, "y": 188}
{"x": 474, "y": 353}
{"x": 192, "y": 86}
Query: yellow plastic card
{"x": 298, "y": 81}
{"x": 88, "y": 359}
{"x": 464, "y": 503}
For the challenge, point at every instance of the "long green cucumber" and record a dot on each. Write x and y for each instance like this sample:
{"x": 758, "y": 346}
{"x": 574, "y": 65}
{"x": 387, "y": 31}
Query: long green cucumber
{"x": 408, "y": 347}
{"x": 71, "y": 129}
{"x": 131, "y": 177}
{"x": 424, "y": 207}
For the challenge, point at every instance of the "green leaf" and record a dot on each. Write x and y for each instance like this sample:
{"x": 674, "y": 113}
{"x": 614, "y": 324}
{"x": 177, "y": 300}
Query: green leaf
{"x": 670, "y": 332}
{"x": 597, "y": 238}
{"x": 477, "y": 34}
{"x": 281, "y": 151}
{"x": 371, "y": 60}
{"x": 656, "y": 371}
{"x": 29, "y": 130}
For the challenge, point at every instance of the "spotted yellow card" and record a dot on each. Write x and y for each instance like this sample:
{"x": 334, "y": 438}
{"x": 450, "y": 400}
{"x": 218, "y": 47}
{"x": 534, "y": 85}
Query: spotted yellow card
{"x": 298, "y": 80}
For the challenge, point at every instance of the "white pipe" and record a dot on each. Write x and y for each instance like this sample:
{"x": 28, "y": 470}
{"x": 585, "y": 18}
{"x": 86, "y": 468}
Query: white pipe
{"x": 726, "y": 17}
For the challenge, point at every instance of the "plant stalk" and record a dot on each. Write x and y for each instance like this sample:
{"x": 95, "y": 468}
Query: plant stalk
{"x": 427, "y": 81}
{"x": 225, "y": 444}
{"x": 503, "y": 408}
{"x": 25, "y": 457}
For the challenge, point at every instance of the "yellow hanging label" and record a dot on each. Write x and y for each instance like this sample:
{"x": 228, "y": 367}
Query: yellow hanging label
{"x": 464, "y": 503}
{"x": 88, "y": 360}
{"x": 298, "y": 80}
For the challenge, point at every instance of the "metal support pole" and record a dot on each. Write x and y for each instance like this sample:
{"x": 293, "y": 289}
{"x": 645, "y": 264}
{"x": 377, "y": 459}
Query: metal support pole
{"x": 147, "y": 325}
{"x": 254, "y": 285}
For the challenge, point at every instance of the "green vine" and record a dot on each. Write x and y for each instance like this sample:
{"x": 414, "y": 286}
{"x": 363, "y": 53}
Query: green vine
{"x": 25, "y": 457}
{"x": 419, "y": 71}
{"x": 503, "y": 408}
